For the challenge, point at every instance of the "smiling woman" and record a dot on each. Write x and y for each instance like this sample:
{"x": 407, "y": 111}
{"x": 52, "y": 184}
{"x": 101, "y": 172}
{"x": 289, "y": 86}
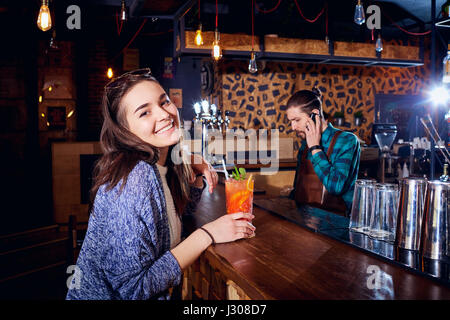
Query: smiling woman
{"x": 133, "y": 247}
{"x": 155, "y": 121}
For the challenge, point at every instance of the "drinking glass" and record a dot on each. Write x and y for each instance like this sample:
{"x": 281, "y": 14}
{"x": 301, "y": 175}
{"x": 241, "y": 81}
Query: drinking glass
{"x": 362, "y": 205}
{"x": 384, "y": 216}
{"x": 239, "y": 195}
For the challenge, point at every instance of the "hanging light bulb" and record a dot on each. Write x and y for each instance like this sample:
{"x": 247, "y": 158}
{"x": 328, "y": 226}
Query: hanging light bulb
{"x": 217, "y": 50}
{"x": 70, "y": 114}
{"x": 198, "y": 36}
{"x": 359, "y": 17}
{"x": 252, "y": 67}
{"x": 379, "y": 44}
{"x": 44, "y": 21}
{"x": 110, "y": 73}
{"x": 123, "y": 12}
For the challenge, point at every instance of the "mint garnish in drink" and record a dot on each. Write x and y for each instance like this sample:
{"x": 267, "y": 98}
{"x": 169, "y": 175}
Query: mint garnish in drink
{"x": 238, "y": 174}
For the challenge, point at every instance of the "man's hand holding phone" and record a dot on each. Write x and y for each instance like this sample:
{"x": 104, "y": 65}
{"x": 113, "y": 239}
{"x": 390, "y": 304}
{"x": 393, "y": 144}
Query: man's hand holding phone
{"x": 313, "y": 131}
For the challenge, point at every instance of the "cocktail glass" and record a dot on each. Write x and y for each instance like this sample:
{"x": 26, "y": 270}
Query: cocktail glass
{"x": 239, "y": 195}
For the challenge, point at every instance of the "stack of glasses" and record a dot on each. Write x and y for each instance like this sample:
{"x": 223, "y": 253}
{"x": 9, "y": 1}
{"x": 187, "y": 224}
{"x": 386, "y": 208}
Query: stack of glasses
{"x": 374, "y": 209}
{"x": 417, "y": 218}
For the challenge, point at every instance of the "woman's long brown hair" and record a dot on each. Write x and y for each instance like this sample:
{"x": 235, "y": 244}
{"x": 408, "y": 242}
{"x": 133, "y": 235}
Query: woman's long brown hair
{"x": 122, "y": 150}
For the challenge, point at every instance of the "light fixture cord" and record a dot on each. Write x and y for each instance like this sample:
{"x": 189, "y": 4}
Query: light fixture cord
{"x": 326, "y": 18}
{"x": 309, "y": 20}
{"x": 217, "y": 14}
{"x": 253, "y": 24}
{"x": 270, "y": 10}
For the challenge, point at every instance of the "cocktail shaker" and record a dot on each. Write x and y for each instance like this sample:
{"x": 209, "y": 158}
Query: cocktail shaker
{"x": 410, "y": 212}
{"x": 435, "y": 226}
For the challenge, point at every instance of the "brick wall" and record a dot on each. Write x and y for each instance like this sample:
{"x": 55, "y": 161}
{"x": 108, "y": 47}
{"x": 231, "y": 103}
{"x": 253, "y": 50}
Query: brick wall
{"x": 96, "y": 79}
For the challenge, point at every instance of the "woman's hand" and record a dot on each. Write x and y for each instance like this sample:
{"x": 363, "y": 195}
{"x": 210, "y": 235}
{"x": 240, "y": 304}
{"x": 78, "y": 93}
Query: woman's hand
{"x": 201, "y": 166}
{"x": 231, "y": 227}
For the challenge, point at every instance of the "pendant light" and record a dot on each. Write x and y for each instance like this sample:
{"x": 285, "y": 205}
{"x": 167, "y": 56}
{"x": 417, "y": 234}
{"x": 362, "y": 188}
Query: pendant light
{"x": 198, "y": 33}
{"x": 44, "y": 21}
{"x": 252, "y": 67}
{"x": 123, "y": 12}
{"x": 359, "y": 17}
{"x": 217, "y": 50}
{"x": 379, "y": 44}
{"x": 198, "y": 36}
{"x": 109, "y": 73}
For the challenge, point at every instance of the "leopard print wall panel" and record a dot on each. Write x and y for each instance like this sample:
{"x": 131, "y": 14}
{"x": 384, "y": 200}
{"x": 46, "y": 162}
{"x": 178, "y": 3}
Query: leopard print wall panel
{"x": 258, "y": 100}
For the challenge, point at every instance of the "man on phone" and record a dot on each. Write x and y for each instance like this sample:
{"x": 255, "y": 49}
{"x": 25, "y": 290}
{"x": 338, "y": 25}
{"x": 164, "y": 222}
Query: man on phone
{"x": 328, "y": 158}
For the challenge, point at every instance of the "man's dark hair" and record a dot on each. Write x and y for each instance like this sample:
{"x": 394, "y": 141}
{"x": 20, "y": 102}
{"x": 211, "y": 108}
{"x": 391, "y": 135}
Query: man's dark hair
{"x": 307, "y": 100}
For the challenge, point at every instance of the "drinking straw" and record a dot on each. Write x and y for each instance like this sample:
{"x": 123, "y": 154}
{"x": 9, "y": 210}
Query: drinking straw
{"x": 225, "y": 169}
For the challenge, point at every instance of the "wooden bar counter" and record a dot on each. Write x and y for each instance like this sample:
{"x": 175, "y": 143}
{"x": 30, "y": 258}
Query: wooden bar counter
{"x": 286, "y": 261}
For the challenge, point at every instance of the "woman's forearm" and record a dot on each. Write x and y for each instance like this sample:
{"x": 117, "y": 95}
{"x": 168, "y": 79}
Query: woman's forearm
{"x": 187, "y": 251}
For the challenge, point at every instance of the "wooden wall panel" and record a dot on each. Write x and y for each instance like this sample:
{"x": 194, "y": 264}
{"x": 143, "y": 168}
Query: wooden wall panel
{"x": 259, "y": 100}
{"x": 66, "y": 179}
{"x": 299, "y": 46}
{"x": 240, "y": 42}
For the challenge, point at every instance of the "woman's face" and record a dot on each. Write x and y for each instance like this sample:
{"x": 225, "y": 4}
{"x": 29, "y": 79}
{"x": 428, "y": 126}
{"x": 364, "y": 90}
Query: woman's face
{"x": 151, "y": 115}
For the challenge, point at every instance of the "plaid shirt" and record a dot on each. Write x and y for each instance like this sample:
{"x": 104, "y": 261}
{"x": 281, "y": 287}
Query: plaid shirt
{"x": 339, "y": 173}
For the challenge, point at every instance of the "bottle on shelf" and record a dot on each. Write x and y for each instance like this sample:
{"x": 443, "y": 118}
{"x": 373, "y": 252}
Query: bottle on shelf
{"x": 444, "y": 176}
{"x": 405, "y": 171}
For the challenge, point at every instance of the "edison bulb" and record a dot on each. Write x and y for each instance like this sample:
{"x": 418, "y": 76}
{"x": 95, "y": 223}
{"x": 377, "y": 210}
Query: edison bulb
{"x": 198, "y": 36}
{"x": 217, "y": 51}
{"x": 252, "y": 66}
{"x": 44, "y": 21}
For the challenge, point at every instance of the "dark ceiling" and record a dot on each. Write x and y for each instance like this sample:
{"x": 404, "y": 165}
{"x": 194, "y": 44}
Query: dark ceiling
{"x": 418, "y": 8}
{"x": 235, "y": 17}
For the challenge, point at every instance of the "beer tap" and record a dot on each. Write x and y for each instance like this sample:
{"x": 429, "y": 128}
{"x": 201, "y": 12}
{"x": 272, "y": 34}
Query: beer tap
{"x": 227, "y": 120}
{"x": 197, "y": 110}
{"x": 220, "y": 122}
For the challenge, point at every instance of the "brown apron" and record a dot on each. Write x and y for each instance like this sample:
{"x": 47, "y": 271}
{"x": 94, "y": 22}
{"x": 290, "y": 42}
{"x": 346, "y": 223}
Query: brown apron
{"x": 310, "y": 190}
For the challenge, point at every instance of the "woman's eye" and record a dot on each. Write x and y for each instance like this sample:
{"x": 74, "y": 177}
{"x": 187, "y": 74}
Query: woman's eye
{"x": 144, "y": 114}
{"x": 165, "y": 103}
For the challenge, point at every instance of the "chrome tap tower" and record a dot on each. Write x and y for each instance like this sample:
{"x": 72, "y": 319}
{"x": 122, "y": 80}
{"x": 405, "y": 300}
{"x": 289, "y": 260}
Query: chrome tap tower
{"x": 211, "y": 119}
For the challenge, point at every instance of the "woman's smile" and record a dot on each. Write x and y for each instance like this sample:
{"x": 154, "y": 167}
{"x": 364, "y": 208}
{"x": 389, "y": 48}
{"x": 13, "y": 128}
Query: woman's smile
{"x": 168, "y": 128}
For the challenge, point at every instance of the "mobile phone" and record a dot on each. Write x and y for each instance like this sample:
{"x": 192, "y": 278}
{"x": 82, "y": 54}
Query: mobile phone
{"x": 313, "y": 116}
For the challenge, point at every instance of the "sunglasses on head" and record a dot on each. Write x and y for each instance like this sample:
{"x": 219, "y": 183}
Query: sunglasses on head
{"x": 144, "y": 72}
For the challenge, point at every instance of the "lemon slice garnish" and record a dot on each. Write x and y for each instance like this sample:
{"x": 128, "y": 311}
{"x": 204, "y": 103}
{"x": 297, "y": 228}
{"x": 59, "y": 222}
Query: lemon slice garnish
{"x": 250, "y": 183}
